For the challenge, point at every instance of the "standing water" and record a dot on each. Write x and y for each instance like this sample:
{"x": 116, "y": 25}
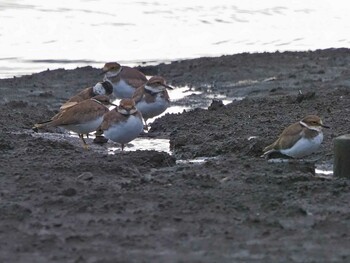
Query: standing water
{"x": 39, "y": 34}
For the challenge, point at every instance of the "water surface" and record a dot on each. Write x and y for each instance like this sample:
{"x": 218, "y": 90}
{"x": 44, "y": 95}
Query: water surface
{"x": 39, "y": 34}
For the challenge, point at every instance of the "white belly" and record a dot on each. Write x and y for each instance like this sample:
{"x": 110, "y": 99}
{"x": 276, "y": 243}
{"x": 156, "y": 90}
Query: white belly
{"x": 150, "y": 110}
{"x": 122, "y": 90}
{"x": 126, "y": 131}
{"x": 304, "y": 147}
{"x": 85, "y": 128}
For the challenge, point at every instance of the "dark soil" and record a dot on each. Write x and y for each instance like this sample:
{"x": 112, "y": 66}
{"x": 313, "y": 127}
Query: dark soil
{"x": 61, "y": 203}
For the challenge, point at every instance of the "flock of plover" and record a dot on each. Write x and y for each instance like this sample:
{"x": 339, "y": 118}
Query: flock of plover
{"x": 143, "y": 98}
{"x": 87, "y": 111}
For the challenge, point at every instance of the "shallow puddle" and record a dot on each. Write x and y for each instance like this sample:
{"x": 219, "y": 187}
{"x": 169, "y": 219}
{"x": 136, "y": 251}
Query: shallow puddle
{"x": 139, "y": 144}
{"x": 198, "y": 160}
{"x": 179, "y": 93}
{"x": 324, "y": 170}
{"x": 225, "y": 100}
{"x": 160, "y": 145}
{"x": 186, "y": 98}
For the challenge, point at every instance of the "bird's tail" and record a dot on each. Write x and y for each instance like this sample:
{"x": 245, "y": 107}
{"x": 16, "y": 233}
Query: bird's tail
{"x": 41, "y": 125}
{"x": 267, "y": 150}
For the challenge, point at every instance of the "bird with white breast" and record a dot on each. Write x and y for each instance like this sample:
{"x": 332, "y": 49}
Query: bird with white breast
{"x": 299, "y": 139}
{"x": 122, "y": 124}
{"x": 152, "y": 98}
{"x": 82, "y": 118}
{"x": 125, "y": 80}
{"x": 101, "y": 88}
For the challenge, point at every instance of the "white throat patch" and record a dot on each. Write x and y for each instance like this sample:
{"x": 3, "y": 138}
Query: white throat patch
{"x": 125, "y": 112}
{"x": 319, "y": 129}
{"x": 110, "y": 74}
{"x": 158, "y": 89}
{"x": 98, "y": 89}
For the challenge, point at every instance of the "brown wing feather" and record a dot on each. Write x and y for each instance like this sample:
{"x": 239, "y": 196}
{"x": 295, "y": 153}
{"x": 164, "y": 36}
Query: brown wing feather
{"x": 55, "y": 117}
{"x": 135, "y": 82}
{"x": 288, "y": 138}
{"x": 85, "y": 94}
{"x": 138, "y": 94}
{"x": 82, "y": 112}
{"x": 133, "y": 77}
{"x": 132, "y": 73}
{"x": 68, "y": 104}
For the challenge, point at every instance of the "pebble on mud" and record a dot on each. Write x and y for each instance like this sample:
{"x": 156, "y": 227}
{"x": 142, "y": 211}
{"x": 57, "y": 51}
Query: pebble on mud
{"x": 87, "y": 176}
{"x": 69, "y": 192}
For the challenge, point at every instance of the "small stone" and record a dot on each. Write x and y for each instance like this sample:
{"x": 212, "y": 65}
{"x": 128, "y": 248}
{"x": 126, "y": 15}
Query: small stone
{"x": 69, "y": 192}
{"x": 216, "y": 104}
{"x": 86, "y": 176}
{"x": 147, "y": 177}
{"x": 100, "y": 140}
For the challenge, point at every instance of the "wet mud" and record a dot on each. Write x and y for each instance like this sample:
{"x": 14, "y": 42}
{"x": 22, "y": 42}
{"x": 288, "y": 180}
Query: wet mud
{"x": 208, "y": 197}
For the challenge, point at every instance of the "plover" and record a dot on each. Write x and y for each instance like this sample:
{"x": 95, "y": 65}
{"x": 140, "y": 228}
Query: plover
{"x": 152, "y": 98}
{"x": 82, "y": 118}
{"x": 101, "y": 88}
{"x": 299, "y": 139}
{"x": 125, "y": 80}
{"x": 122, "y": 124}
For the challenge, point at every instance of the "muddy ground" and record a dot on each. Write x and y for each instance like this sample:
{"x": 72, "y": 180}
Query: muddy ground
{"x": 61, "y": 203}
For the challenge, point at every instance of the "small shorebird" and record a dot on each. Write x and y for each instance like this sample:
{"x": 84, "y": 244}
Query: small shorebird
{"x": 122, "y": 124}
{"x": 152, "y": 98}
{"x": 101, "y": 88}
{"x": 299, "y": 139}
{"x": 82, "y": 118}
{"x": 125, "y": 80}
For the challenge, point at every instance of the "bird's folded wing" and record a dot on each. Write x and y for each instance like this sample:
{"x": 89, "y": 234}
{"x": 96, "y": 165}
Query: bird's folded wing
{"x": 138, "y": 94}
{"x": 290, "y": 136}
{"x": 82, "y": 112}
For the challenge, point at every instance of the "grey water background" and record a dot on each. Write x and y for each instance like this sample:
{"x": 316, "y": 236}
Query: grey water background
{"x": 38, "y": 34}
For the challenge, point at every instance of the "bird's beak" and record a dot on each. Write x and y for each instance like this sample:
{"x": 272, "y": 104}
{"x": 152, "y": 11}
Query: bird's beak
{"x": 324, "y": 126}
{"x": 168, "y": 87}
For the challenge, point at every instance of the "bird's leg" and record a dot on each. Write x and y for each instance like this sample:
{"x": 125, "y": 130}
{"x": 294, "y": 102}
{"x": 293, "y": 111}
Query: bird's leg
{"x": 98, "y": 132}
{"x": 81, "y": 136}
{"x": 145, "y": 127}
{"x": 123, "y": 147}
{"x": 99, "y": 138}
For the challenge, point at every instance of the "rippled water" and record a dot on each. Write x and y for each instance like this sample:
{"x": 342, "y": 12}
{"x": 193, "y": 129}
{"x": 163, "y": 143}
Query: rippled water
{"x": 39, "y": 34}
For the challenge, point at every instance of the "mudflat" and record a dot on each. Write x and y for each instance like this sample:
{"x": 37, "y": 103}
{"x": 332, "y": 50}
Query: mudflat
{"x": 61, "y": 203}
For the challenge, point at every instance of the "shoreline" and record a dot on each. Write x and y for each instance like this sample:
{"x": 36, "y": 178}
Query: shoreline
{"x": 80, "y": 63}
